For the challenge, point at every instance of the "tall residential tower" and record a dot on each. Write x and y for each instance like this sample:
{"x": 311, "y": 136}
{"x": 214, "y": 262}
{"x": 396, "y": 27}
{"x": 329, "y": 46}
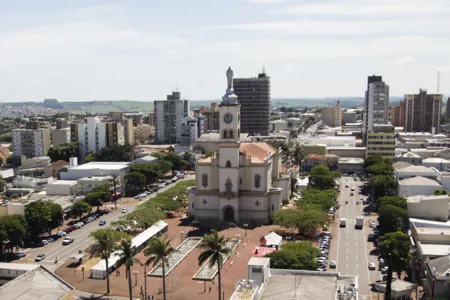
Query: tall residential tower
{"x": 376, "y": 105}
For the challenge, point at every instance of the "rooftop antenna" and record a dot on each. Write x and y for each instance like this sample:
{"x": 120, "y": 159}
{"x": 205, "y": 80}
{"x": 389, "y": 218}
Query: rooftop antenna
{"x": 438, "y": 81}
{"x": 264, "y": 69}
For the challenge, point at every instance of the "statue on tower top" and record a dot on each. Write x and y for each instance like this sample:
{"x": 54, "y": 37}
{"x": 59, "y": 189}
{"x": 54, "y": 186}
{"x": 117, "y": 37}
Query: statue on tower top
{"x": 230, "y": 78}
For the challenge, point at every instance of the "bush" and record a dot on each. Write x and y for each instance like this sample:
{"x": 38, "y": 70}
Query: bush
{"x": 285, "y": 202}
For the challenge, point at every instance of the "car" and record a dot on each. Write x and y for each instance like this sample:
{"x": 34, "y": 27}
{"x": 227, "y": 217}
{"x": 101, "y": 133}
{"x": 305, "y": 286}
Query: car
{"x": 44, "y": 242}
{"x": 322, "y": 269}
{"x": 384, "y": 270}
{"x": 106, "y": 211}
{"x": 67, "y": 240}
{"x": 352, "y": 189}
{"x": 102, "y": 222}
{"x": 180, "y": 175}
{"x": 39, "y": 257}
{"x": 352, "y": 194}
{"x": 77, "y": 226}
{"x": 50, "y": 240}
{"x": 332, "y": 264}
{"x": 370, "y": 237}
{"x": 20, "y": 254}
{"x": 346, "y": 185}
{"x": 372, "y": 266}
{"x": 62, "y": 233}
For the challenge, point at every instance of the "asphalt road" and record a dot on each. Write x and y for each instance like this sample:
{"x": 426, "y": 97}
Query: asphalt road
{"x": 81, "y": 236}
{"x": 353, "y": 249}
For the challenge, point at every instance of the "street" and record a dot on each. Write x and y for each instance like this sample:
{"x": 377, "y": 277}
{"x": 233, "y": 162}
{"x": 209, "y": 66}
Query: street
{"x": 81, "y": 237}
{"x": 352, "y": 248}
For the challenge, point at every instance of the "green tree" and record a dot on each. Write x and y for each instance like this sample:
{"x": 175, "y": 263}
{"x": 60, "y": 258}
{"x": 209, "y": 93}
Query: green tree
{"x": 2, "y": 185}
{"x": 134, "y": 181}
{"x": 80, "y": 208}
{"x": 394, "y": 248}
{"x": 214, "y": 248}
{"x": 177, "y": 162}
{"x": 392, "y": 200}
{"x": 56, "y": 215}
{"x": 90, "y": 157}
{"x": 94, "y": 199}
{"x": 104, "y": 245}
{"x": 37, "y": 214}
{"x": 127, "y": 252}
{"x": 391, "y": 218}
{"x": 382, "y": 185}
{"x": 298, "y": 153}
{"x": 64, "y": 151}
{"x": 440, "y": 192}
{"x": 287, "y": 218}
{"x": 298, "y": 256}
{"x": 115, "y": 181}
{"x": 323, "y": 197}
{"x": 210, "y": 152}
{"x": 310, "y": 220}
{"x": 321, "y": 177}
{"x": 6, "y": 137}
{"x": 159, "y": 248}
{"x": 115, "y": 153}
{"x": 13, "y": 228}
{"x": 146, "y": 216}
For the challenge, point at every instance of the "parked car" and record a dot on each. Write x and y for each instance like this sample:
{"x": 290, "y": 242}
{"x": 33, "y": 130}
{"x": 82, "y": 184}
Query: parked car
{"x": 370, "y": 237}
{"x": 106, "y": 211}
{"x": 67, "y": 240}
{"x": 45, "y": 242}
{"x": 332, "y": 264}
{"x": 384, "y": 270}
{"x": 180, "y": 175}
{"x": 39, "y": 257}
{"x": 77, "y": 226}
{"x": 124, "y": 210}
{"x": 62, "y": 233}
{"x": 50, "y": 240}
{"x": 372, "y": 266}
{"x": 20, "y": 254}
{"x": 102, "y": 222}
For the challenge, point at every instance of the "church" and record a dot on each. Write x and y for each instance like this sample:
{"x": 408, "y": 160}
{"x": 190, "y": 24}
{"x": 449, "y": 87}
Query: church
{"x": 241, "y": 182}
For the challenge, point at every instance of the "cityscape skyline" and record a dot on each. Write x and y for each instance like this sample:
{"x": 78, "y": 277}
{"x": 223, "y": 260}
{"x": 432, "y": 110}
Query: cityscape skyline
{"x": 80, "y": 51}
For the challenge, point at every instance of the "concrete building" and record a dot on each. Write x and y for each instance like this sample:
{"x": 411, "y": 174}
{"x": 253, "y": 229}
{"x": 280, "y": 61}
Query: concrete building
{"x": 31, "y": 141}
{"x": 212, "y": 117}
{"x": 436, "y": 278}
{"x": 87, "y": 184}
{"x": 76, "y": 172}
{"x": 189, "y": 131}
{"x": 447, "y": 109}
{"x": 332, "y": 115}
{"x": 278, "y": 125}
{"x": 62, "y": 187}
{"x": 348, "y": 117}
{"x": 350, "y": 164}
{"x": 254, "y": 98}
{"x": 312, "y": 160}
{"x": 60, "y": 136}
{"x": 414, "y": 171}
{"x": 428, "y": 207}
{"x": 381, "y": 140}
{"x": 409, "y": 157}
{"x": 142, "y": 133}
{"x": 438, "y": 163}
{"x": 376, "y": 104}
{"x": 169, "y": 116}
{"x": 9, "y": 209}
{"x": 395, "y": 116}
{"x": 241, "y": 181}
{"x": 331, "y": 141}
{"x": 210, "y": 141}
{"x": 151, "y": 118}
{"x": 201, "y": 122}
{"x": 423, "y": 112}
{"x": 418, "y": 185}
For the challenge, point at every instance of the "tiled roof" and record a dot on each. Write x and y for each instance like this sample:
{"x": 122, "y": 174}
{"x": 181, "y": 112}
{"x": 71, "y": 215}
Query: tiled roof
{"x": 257, "y": 151}
{"x": 316, "y": 157}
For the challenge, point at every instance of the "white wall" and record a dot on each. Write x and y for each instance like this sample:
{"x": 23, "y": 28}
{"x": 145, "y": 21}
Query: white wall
{"x": 59, "y": 189}
{"x": 414, "y": 190}
{"x": 429, "y": 209}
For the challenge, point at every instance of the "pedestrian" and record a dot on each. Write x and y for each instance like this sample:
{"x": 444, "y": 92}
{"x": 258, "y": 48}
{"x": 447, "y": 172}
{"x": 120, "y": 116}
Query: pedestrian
{"x": 142, "y": 290}
{"x": 209, "y": 289}
{"x": 74, "y": 272}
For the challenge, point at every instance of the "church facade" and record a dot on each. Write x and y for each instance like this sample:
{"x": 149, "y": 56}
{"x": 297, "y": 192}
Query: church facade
{"x": 242, "y": 181}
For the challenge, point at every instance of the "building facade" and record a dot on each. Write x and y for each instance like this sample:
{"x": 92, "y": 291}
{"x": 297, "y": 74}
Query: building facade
{"x": 142, "y": 133}
{"x": 32, "y": 141}
{"x": 395, "y": 116}
{"x": 151, "y": 118}
{"x": 241, "y": 181}
{"x": 332, "y": 115}
{"x": 169, "y": 115}
{"x": 254, "y": 98}
{"x": 381, "y": 140}
{"x": 189, "y": 131}
{"x": 376, "y": 105}
{"x": 60, "y": 136}
{"x": 423, "y": 112}
{"x": 348, "y": 117}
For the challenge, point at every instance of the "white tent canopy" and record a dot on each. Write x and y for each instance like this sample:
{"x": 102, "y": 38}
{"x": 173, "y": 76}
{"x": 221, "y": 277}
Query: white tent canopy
{"x": 99, "y": 270}
{"x": 273, "y": 239}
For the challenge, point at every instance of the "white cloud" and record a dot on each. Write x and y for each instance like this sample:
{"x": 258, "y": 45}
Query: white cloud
{"x": 403, "y": 61}
{"x": 267, "y": 1}
{"x": 290, "y": 69}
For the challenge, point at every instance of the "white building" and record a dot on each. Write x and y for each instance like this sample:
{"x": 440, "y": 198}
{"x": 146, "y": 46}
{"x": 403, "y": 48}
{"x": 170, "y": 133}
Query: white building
{"x": 332, "y": 141}
{"x": 241, "y": 181}
{"x": 417, "y": 186}
{"x": 278, "y": 125}
{"x": 189, "y": 131}
{"x": 169, "y": 116}
{"x": 60, "y": 136}
{"x": 438, "y": 163}
{"x": 409, "y": 157}
{"x": 376, "y": 106}
{"x": 95, "y": 169}
{"x": 31, "y": 141}
{"x": 62, "y": 187}
{"x": 428, "y": 207}
{"x": 87, "y": 184}
{"x": 414, "y": 171}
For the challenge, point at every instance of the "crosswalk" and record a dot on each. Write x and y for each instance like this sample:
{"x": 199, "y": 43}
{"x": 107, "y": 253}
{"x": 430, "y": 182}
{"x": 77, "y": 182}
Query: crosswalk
{"x": 50, "y": 265}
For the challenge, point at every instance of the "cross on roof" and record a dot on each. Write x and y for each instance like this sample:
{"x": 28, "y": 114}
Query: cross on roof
{"x": 257, "y": 203}
{"x": 204, "y": 201}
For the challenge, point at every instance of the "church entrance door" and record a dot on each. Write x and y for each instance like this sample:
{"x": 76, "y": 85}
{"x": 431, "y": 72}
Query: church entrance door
{"x": 228, "y": 214}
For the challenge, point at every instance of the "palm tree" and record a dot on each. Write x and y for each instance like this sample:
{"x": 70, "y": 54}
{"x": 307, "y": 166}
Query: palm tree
{"x": 214, "y": 247}
{"x": 159, "y": 249}
{"x": 127, "y": 252}
{"x": 114, "y": 182}
{"x": 105, "y": 241}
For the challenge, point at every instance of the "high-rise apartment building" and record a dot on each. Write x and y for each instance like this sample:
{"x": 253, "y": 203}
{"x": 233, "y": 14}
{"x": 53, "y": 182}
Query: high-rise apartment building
{"x": 32, "y": 141}
{"x": 376, "y": 105}
{"x": 128, "y": 126}
{"x": 447, "y": 109}
{"x": 395, "y": 115}
{"x": 423, "y": 112}
{"x": 381, "y": 140}
{"x": 61, "y": 134}
{"x": 151, "y": 118}
{"x": 254, "y": 98}
{"x": 169, "y": 115}
{"x": 212, "y": 117}
{"x": 332, "y": 115}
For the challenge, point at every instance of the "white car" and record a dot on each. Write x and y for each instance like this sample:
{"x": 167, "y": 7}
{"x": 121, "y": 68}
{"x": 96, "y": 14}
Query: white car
{"x": 332, "y": 264}
{"x": 67, "y": 240}
{"x": 61, "y": 233}
{"x": 372, "y": 266}
{"x": 124, "y": 210}
{"x": 384, "y": 270}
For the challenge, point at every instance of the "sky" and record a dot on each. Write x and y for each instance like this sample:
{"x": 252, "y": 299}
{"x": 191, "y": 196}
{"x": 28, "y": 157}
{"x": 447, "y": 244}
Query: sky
{"x": 143, "y": 49}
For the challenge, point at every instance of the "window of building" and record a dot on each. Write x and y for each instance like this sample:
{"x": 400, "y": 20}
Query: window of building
{"x": 205, "y": 179}
{"x": 231, "y": 134}
{"x": 257, "y": 181}
{"x": 228, "y": 164}
{"x": 225, "y": 134}
{"x": 240, "y": 180}
{"x": 192, "y": 205}
{"x": 273, "y": 208}
{"x": 228, "y": 186}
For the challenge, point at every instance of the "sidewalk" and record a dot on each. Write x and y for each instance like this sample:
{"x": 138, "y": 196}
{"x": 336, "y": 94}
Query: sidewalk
{"x": 85, "y": 295}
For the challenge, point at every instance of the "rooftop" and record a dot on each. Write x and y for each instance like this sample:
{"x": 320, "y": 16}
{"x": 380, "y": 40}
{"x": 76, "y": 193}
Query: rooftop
{"x": 257, "y": 151}
{"x": 416, "y": 169}
{"x": 96, "y": 178}
{"x": 420, "y": 198}
{"x": 110, "y": 165}
{"x": 439, "y": 267}
{"x": 215, "y": 137}
{"x": 409, "y": 154}
{"x": 258, "y": 261}
{"x": 433, "y": 249}
{"x": 419, "y": 180}
{"x": 64, "y": 182}
{"x": 401, "y": 164}
{"x": 435, "y": 160}
{"x": 316, "y": 157}
{"x": 350, "y": 160}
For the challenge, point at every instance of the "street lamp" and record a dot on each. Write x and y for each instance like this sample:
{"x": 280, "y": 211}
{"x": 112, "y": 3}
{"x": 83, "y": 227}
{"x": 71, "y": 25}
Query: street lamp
{"x": 82, "y": 271}
{"x": 135, "y": 272}
{"x": 145, "y": 281}
{"x": 182, "y": 235}
{"x": 245, "y": 229}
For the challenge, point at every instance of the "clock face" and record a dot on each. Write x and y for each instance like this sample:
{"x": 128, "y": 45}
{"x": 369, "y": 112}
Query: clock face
{"x": 228, "y": 118}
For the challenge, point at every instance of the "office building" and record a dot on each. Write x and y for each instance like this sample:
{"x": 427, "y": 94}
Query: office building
{"x": 332, "y": 115}
{"x": 212, "y": 116}
{"x": 423, "y": 112}
{"x": 31, "y": 141}
{"x": 189, "y": 131}
{"x": 169, "y": 115}
{"x": 348, "y": 117}
{"x": 254, "y": 98}
{"x": 376, "y": 105}
{"x": 127, "y": 121}
{"x": 395, "y": 116}
{"x": 151, "y": 118}
{"x": 201, "y": 122}
{"x": 60, "y": 136}
{"x": 381, "y": 140}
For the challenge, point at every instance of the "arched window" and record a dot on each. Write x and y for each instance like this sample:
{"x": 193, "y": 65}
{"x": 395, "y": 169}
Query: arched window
{"x": 228, "y": 164}
{"x": 230, "y": 135}
{"x": 257, "y": 181}
{"x": 205, "y": 179}
{"x": 225, "y": 134}
{"x": 228, "y": 186}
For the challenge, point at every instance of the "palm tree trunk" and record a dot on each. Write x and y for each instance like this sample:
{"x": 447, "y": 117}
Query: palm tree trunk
{"x": 219, "y": 283}
{"x": 115, "y": 194}
{"x": 130, "y": 289}
{"x": 107, "y": 275}
{"x": 164, "y": 278}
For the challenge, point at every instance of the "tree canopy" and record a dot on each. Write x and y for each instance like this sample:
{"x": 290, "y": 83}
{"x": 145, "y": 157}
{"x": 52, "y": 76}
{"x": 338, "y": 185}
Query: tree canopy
{"x": 392, "y": 200}
{"x": 13, "y": 228}
{"x": 305, "y": 221}
{"x": 324, "y": 198}
{"x": 391, "y": 217}
{"x": 79, "y": 208}
{"x": 114, "y": 153}
{"x": 154, "y": 170}
{"x": 440, "y": 192}
{"x": 38, "y": 214}
{"x": 64, "y": 151}
{"x": 134, "y": 181}
{"x": 395, "y": 247}
{"x": 299, "y": 256}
